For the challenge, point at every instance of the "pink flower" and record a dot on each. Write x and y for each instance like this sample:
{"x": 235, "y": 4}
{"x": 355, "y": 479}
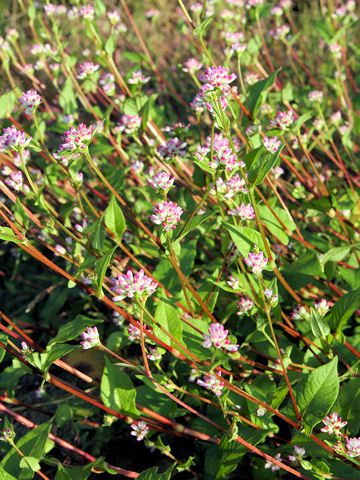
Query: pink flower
{"x": 16, "y": 182}
{"x": 134, "y": 333}
{"x": 87, "y": 12}
{"x": 315, "y": 96}
{"x": 283, "y": 119}
{"x": 29, "y": 100}
{"x": 271, "y": 144}
{"x": 86, "y": 69}
{"x": 353, "y": 446}
{"x": 217, "y": 77}
{"x": 233, "y": 282}
{"x": 218, "y": 338}
{"x": 129, "y": 124}
{"x": 191, "y": 65}
{"x": 212, "y": 383}
{"x": 139, "y": 430}
{"x": 235, "y": 185}
{"x": 298, "y": 453}
{"x": 128, "y": 285}
{"x": 161, "y": 180}
{"x": 90, "y": 338}
{"x": 322, "y": 307}
{"x": 245, "y": 212}
{"x": 300, "y": 313}
{"x": 137, "y": 77}
{"x": 172, "y": 148}
{"x": 244, "y": 305}
{"x": 333, "y": 423}
{"x": 114, "y": 17}
{"x": 277, "y": 172}
{"x": 256, "y": 261}
{"x": 270, "y": 464}
{"x": 13, "y": 139}
{"x": 223, "y": 155}
{"x": 75, "y": 140}
{"x": 166, "y": 214}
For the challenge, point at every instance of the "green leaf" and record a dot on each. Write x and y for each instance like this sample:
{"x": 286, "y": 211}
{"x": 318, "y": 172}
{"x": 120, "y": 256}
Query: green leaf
{"x": 4, "y": 475}
{"x": 274, "y": 225}
{"x": 168, "y": 317}
{"x": 71, "y": 330}
{"x": 316, "y": 394}
{"x": 335, "y": 254}
{"x": 343, "y": 309}
{"x": 20, "y": 213}
{"x": 114, "y": 219}
{"x": 67, "y": 98}
{"x": 117, "y": 390}
{"x": 110, "y": 44}
{"x": 7, "y": 234}
{"x": 100, "y": 270}
{"x": 301, "y": 120}
{"x": 347, "y": 405}
{"x": 195, "y": 222}
{"x": 32, "y": 445}
{"x": 58, "y": 351}
{"x": 7, "y": 102}
{"x": 261, "y": 167}
{"x": 146, "y": 109}
{"x": 30, "y": 462}
{"x": 63, "y": 415}
{"x": 319, "y": 326}
{"x": 100, "y": 8}
{"x": 61, "y": 473}
{"x": 152, "y": 474}
{"x": 245, "y": 238}
{"x": 98, "y": 235}
{"x": 256, "y": 92}
{"x": 131, "y": 107}
{"x": 200, "y": 29}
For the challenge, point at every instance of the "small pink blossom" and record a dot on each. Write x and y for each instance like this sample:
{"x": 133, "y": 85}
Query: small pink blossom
{"x": 13, "y": 139}
{"x": 256, "y": 261}
{"x": 333, "y": 423}
{"x": 29, "y": 100}
{"x": 322, "y": 307}
{"x": 270, "y": 464}
{"x": 353, "y": 446}
{"x": 139, "y": 430}
{"x": 172, "y": 148}
{"x": 233, "y": 282}
{"x": 86, "y": 69}
{"x": 192, "y": 65}
{"x": 114, "y": 17}
{"x": 297, "y": 453}
{"x": 128, "y": 285}
{"x": 90, "y": 338}
{"x": 315, "y": 96}
{"x": 245, "y": 212}
{"x": 16, "y": 182}
{"x": 166, "y": 214}
{"x": 129, "y": 124}
{"x": 271, "y": 144}
{"x": 283, "y": 120}
{"x": 137, "y": 77}
{"x": 218, "y": 338}
{"x": 212, "y": 383}
{"x": 218, "y": 77}
{"x": 244, "y": 305}
{"x": 87, "y": 12}
{"x": 300, "y": 313}
{"x": 161, "y": 180}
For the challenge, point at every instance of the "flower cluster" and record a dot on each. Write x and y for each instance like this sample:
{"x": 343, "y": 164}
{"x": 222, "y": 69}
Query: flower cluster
{"x": 75, "y": 140}
{"x": 297, "y": 453}
{"x": 13, "y": 139}
{"x": 191, "y": 65}
{"x": 353, "y": 446}
{"x": 87, "y": 12}
{"x": 128, "y": 285}
{"x": 300, "y": 313}
{"x": 283, "y": 120}
{"x": 223, "y": 155}
{"x": 114, "y": 17}
{"x": 134, "y": 333}
{"x": 269, "y": 295}
{"x": 86, "y": 70}
{"x": 333, "y": 423}
{"x": 29, "y": 100}
{"x": 270, "y": 464}
{"x": 271, "y": 144}
{"x": 315, "y": 96}
{"x": 256, "y": 261}
{"x": 7, "y": 434}
{"x": 137, "y": 78}
{"x": 172, "y": 148}
{"x": 107, "y": 81}
{"x": 90, "y": 338}
{"x": 218, "y": 338}
{"x": 244, "y": 305}
{"x": 322, "y": 307}
{"x": 245, "y": 212}
{"x": 129, "y": 124}
{"x": 139, "y": 430}
{"x": 52, "y": 10}
{"x": 161, "y": 180}
{"x": 212, "y": 383}
{"x": 16, "y": 182}
{"x": 217, "y": 78}
{"x": 166, "y": 214}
